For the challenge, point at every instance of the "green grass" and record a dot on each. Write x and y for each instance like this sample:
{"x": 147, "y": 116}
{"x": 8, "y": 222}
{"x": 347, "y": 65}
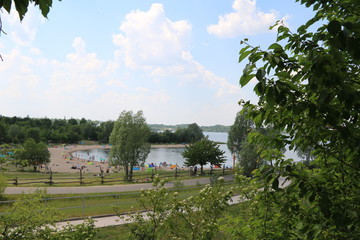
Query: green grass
{"x": 32, "y": 179}
{"x": 84, "y": 205}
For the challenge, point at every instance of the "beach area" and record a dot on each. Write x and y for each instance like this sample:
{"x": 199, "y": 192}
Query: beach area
{"x": 62, "y": 160}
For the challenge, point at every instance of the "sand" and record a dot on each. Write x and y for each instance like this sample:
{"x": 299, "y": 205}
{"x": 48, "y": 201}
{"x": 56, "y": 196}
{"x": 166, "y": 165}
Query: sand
{"x": 61, "y": 159}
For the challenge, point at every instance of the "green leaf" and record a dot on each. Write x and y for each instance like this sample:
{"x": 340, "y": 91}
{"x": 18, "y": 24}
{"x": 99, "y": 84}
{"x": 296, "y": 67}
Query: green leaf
{"x": 6, "y": 4}
{"x": 283, "y": 74}
{"x": 244, "y": 49}
{"x": 260, "y": 74}
{"x": 21, "y": 7}
{"x": 275, "y": 46}
{"x": 244, "y": 55}
{"x": 245, "y": 78}
{"x": 334, "y": 27}
{"x": 44, "y": 6}
{"x": 275, "y": 183}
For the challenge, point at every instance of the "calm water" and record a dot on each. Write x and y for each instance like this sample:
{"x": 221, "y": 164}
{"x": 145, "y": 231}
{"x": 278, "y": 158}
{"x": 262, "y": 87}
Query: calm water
{"x": 158, "y": 155}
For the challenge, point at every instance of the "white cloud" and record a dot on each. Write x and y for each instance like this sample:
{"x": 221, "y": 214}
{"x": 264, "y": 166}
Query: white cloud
{"x": 81, "y": 71}
{"x": 22, "y": 33}
{"x": 150, "y": 38}
{"x": 246, "y": 19}
{"x": 150, "y": 41}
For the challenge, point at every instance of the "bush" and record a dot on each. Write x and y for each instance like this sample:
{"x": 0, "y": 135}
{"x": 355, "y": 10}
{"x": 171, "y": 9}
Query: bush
{"x": 3, "y": 183}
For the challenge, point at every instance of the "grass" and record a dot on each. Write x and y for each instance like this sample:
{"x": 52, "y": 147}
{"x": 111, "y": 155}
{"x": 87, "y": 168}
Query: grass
{"x": 84, "y": 205}
{"x": 39, "y": 179}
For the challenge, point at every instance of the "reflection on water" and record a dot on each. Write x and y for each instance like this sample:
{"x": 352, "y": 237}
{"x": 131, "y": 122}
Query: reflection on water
{"x": 161, "y": 155}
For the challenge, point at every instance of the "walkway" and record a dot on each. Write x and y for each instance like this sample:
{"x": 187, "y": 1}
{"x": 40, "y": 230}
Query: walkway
{"x": 115, "y": 220}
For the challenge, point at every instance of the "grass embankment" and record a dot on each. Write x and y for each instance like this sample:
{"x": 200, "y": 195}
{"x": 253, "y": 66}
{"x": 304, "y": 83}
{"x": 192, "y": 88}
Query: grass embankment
{"x": 84, "y": 205}
{"x": 41, "y": 179}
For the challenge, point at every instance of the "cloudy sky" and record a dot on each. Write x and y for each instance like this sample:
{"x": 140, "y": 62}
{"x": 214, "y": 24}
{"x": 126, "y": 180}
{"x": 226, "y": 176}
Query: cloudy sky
{"x": 175, "y": 60}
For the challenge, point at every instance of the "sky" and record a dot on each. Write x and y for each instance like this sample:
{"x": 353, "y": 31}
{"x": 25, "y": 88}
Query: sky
{"x": 177, "y": 61}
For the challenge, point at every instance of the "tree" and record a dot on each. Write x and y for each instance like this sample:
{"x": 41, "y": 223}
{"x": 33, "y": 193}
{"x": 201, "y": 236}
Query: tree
{"x": 195, "y": 133}
{"x": 249, "y": 158}
{"x": 239, "y": 131}
{"x": 308, "y": 88}
{"x": 31, "y": 218}
{"x": 35, "y": 153}
{"x": 129, "y": 140}
{"x": 203, "y": 152}
{"x": 34, "y": 133}
{"x": 172, "y": 217}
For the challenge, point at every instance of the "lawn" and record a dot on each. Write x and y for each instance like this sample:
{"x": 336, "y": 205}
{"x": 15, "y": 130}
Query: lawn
{"x": 84, "y": 205}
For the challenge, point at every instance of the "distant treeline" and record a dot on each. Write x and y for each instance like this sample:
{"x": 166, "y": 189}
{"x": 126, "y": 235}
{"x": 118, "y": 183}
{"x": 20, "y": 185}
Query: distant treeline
{"x": 163, "y": 127}
{"x": 189, "y": 134}
{"x": 17, "y": 130}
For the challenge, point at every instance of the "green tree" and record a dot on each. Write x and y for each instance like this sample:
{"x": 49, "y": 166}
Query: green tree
{"x": 30, "y": 218}
{"x": 203, "y": 152}
{"x": 129, "y": 140}
{"x": 308, "y": 87}
{"x": 105, "y": 131}
{"x": 249, "y": 158}
{"x": 34, "y": 133}
{"x": 3, "y": 133}
{"x": 15, "y": 133}
{"x": 172, "y": 217}
{"x": 239, "y": 131}
{"x": 195, "y": 132}
{"x": 35, "y": 153}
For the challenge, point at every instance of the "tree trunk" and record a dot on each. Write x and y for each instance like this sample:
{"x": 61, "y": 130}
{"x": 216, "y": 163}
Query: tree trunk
{"x": 202, "y": 169}
{"x": 131, "y": 173}
{"x": 126, "y": 168}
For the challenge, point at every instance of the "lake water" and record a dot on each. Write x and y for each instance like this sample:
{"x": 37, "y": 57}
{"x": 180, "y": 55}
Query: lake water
{"x": 172, "y": 155}
{"x": 160, "y": 155}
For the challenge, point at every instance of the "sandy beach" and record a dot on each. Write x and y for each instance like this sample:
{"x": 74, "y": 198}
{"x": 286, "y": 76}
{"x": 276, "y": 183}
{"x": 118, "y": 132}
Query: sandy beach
{"x": 61, "y": 159}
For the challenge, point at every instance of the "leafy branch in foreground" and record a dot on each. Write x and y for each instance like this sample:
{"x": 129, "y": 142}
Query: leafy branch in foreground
{"x": 169, "y": 216}
{"x": 308, "y": 85}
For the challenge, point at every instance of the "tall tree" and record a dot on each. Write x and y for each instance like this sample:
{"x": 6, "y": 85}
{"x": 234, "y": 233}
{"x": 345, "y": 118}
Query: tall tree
{"x": 203, "y": 152}
{"x": 129, "y": 140}
{"x": 308, "y": 87}
{"x": 35, "y": 153}
{"x": 239, "y": 131}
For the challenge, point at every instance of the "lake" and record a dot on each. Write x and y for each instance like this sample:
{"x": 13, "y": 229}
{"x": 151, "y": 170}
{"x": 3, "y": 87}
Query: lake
{"x": 158, "y": 155}
{"x": 173, "y": 155}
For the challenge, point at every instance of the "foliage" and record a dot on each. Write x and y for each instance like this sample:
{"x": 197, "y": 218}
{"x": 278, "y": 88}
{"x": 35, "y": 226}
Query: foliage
{"x": 129, "y": 140}
{"x": 83, "y": 231}
{"x": 189, "y": 134}
{"x": 239, "y": 131}
{"x": 30, "y": 218}
{"x": 17, "y": 130}
{"x": 249, "y": 158}
{"x": 35, "y": 153}
{"x": 308, "y": 87}
{"x": 168, "y": 217}
{"x": 203, "y": 152}
{"x": 22, "y": 6}
{"x": 3, "y": 183}
{"x": 306, "y": 155}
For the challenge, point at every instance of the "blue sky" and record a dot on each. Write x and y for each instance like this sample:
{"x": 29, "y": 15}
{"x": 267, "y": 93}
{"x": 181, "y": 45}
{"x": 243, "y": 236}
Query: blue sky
{"x": 175, "y": 60}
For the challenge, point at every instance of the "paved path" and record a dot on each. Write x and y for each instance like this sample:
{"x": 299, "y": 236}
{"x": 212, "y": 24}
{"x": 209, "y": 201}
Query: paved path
{"x": 115, "y": 220}
{"x": 104, "y": 189}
